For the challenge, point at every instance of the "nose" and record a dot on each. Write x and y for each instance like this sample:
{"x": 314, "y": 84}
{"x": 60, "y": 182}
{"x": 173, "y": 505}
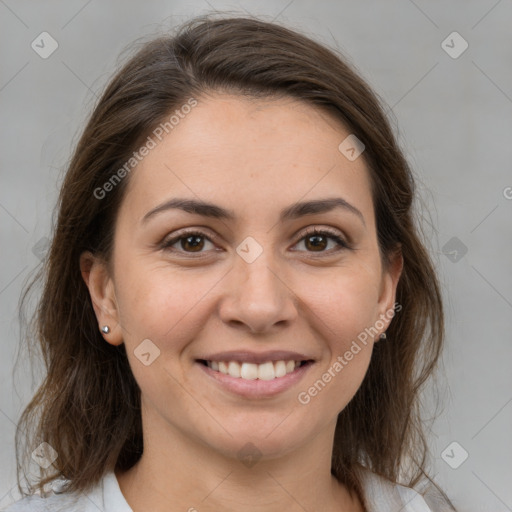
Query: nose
{"x": 257, "y": 297}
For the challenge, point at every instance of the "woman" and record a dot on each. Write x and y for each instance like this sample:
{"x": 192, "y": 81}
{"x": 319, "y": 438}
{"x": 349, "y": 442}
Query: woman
{"x": 238, "y": 312}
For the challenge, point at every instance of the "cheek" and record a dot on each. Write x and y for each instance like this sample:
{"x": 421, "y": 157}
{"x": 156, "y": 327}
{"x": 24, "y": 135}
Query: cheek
{"x": 343, "y": 327}
{"x": 342, "y": 309}
{"x": 343, "y": 300}
{"x": 333, "y": 387}
{"x": 161, "y": 303}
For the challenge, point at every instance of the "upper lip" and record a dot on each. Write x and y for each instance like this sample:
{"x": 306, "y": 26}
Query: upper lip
{"x": 255, "y": 357}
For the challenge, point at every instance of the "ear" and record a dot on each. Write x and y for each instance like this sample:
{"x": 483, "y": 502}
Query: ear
{"x": 387, "y": 295}
{"x": 101, "y": 289}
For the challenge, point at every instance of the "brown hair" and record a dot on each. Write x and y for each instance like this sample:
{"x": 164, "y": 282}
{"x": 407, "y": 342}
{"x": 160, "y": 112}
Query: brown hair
{"x": 93, "y": 430}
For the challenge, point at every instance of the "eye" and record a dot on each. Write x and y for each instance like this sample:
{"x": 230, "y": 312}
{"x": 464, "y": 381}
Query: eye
{"x": 194, "y": 241}
{"x": 318, "y": 239}
{"x": 189, "y": 242}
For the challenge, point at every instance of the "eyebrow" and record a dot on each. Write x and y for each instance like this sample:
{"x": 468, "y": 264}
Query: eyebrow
{"x": 291, "y": 212}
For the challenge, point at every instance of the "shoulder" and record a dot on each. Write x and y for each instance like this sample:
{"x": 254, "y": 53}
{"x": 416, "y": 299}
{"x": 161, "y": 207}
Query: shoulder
{"x": 106, "y": 496}
{"x": 382, "y": 495}
{"x": 55, "y": 501}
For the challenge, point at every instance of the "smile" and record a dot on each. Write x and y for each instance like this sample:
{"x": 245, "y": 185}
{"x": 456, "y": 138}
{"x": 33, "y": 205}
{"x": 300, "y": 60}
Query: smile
{"x": 255, "y": 380}
{"x": 268, "y": 370}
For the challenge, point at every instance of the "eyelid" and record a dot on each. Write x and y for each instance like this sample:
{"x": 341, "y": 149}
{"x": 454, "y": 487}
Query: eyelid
{"x": 185, "y": 232}
{"x": 335, "y": 234}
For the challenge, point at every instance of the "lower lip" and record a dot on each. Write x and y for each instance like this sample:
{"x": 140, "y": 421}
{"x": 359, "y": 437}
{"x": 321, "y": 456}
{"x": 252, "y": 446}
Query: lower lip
{"x": 256, "y": 388}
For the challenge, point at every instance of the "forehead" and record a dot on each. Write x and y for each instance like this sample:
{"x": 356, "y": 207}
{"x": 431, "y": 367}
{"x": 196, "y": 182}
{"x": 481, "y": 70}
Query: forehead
{"x": 247, "y": 153}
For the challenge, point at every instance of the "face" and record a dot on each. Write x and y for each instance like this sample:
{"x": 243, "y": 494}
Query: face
{"x": 241, "y": 323}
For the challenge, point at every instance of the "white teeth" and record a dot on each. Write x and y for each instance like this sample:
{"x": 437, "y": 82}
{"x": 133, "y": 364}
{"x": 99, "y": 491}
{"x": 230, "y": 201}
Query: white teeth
{"x": 280, "y": 368}
{"x": 248, "y": 371}
{"x": 234, "y": 369}
{"x": 266, "y": 371}
{"x": 251, "y": 371}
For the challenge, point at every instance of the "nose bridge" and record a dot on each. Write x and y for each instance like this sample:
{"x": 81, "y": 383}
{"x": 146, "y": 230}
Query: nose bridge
{"x": 257, "y": 294}
{"x": 259, "y": 275}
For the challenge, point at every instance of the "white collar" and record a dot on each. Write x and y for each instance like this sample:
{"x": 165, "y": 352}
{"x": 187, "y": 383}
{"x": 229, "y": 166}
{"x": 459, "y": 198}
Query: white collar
{"x": 107, "y": 496}
{"x": 380, "y": 495}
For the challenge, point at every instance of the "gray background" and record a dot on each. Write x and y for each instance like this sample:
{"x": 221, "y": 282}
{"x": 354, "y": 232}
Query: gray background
{"x": 454, "y": 120}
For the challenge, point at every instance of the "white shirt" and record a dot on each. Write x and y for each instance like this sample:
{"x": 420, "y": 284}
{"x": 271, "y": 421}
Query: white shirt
{"x": 380, "y": 495}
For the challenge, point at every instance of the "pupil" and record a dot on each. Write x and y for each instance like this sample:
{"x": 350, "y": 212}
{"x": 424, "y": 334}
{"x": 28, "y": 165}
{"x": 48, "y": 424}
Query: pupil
{"x": 317, "y": 237}
{"x": 196, "y": 242}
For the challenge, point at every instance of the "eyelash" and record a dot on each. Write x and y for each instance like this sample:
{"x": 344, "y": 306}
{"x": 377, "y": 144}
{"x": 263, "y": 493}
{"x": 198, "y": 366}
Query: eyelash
{"x": 342, "y": 244}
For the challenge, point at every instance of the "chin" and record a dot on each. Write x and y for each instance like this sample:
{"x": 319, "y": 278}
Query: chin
{"x": 261, "y": 440}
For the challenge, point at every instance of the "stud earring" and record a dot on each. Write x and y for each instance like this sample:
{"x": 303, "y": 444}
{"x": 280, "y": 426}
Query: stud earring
{"x": 383, "y": 336}
{"x": 105, "y": 329}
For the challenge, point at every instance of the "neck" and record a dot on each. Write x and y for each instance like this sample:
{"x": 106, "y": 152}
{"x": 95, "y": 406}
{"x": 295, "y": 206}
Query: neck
{"x": 177, "y": 473}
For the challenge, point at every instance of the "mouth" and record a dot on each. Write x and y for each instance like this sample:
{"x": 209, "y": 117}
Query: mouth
{"x": 268, "y": 370}
{"x": 254, "y": 376}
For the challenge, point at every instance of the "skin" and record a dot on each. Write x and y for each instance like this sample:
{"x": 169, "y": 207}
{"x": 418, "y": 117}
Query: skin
{"x": 254, "y": 157}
